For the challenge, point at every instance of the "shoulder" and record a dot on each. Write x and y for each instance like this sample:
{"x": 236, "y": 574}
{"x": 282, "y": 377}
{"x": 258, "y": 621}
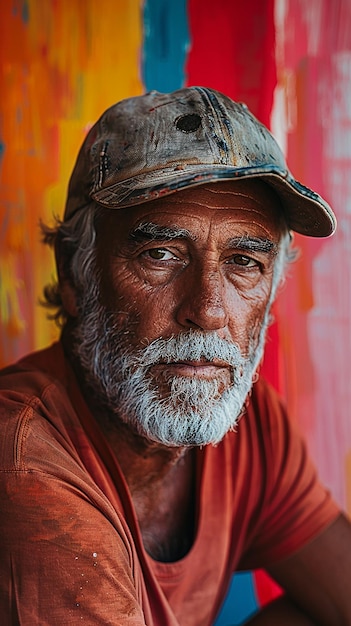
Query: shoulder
{"x": 275, "y": 442}
{"x": 266, "y": 421}
{"x": 33, "y": 399}
{"x": 34, "y": 371}
{"x": 293, "y": 506}
{"x": 265, "y": 401}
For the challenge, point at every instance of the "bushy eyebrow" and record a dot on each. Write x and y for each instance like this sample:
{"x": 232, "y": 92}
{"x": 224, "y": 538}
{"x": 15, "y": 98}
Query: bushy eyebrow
{"x": 253, "y": 244}
{"x": 148, "y": 231}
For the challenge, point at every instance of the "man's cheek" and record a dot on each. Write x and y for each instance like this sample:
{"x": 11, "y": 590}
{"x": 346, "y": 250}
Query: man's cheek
{"x": 246, "y": 327}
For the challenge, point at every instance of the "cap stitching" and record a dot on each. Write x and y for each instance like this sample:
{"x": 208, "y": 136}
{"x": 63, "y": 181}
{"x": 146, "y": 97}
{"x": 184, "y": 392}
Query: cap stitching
{"x": 103, "y": 166}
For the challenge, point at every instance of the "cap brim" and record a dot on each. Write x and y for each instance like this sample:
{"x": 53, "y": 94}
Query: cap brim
{"x": 306, "y": 212}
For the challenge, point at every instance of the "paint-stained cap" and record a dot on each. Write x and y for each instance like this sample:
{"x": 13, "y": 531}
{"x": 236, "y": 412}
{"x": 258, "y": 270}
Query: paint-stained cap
{"x": 156, "y": 144}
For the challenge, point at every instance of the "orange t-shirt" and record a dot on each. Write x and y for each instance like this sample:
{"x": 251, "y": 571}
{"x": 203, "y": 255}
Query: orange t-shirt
{"x": 71, "y": 550}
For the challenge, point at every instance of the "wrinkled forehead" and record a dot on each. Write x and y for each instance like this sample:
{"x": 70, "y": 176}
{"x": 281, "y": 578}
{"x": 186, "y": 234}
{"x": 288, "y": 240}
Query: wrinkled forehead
{"x": 235, "y": 194}
{"x": 230, "y": 200}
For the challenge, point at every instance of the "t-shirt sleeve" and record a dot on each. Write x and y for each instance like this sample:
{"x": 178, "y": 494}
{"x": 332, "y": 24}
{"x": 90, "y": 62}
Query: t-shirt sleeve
{"x": 65, "y": 556}
{"x": 293, "y": 506}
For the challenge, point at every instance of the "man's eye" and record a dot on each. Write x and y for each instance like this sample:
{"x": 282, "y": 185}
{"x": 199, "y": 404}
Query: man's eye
{"x": 244, "y": 261}
{"x": 160, "y": 254}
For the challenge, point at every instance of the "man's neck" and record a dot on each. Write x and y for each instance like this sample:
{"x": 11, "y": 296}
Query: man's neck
{"x": 161, "y": 482}
{"x": 142, "y": 461}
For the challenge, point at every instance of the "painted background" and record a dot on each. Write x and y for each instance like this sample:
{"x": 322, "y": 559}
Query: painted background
{"x": 64, "y": 61}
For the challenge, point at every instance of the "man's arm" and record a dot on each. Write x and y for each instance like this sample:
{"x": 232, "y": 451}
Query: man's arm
{"x": 280, "y": 612}
{"x": 317, "y": 581}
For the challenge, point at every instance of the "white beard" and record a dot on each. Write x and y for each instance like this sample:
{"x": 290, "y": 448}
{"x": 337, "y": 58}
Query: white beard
{"x": 187, "y": 411}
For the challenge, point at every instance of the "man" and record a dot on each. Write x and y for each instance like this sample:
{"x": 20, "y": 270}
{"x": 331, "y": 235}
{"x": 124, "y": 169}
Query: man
{"x": 130, "y": 490}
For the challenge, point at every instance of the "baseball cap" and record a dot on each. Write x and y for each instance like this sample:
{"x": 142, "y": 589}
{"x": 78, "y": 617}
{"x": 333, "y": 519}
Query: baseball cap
{"x": 156, "y": 144}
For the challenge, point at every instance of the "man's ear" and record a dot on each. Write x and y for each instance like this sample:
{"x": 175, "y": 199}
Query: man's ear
{"x": 68, "y": 297}
{"x": 67, "y": 291}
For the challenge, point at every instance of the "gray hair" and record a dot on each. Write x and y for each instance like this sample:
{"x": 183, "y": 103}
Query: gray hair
{"x": 75, "y": 243}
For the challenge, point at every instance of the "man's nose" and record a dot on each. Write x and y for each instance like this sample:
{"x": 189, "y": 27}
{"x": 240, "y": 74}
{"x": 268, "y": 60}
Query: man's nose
{"x": 203, "y": 301}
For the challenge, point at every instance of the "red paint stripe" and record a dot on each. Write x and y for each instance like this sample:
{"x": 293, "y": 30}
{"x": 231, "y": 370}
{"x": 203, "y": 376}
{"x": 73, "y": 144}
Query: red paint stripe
{"x": 233, "y": 50}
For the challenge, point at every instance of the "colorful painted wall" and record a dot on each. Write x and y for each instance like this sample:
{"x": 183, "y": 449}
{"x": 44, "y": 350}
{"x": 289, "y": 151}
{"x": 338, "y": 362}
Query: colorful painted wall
{"x": 64, "y": 61}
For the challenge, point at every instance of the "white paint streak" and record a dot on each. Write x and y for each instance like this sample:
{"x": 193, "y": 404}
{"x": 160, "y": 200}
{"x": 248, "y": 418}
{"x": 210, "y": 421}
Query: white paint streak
{"x": 283, "y": 115}
{"x": 312, "y": 12}
{"x": 278, "y": 121}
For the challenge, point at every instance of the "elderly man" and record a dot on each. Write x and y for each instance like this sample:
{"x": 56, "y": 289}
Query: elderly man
{"x": 130, "y": 491}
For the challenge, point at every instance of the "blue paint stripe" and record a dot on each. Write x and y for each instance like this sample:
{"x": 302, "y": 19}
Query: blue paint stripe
{"x": 165, "y": 46}
{"x": 25, "y": 12}
{"x": 240, "y": 603}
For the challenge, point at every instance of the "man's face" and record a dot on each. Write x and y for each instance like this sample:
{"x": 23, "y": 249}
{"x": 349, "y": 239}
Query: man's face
{"x": 194, "y": 267}
{"x": 202, "y": 259}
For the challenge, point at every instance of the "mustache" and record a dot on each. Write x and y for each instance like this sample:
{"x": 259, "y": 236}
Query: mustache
{"x": 191, "y": 345}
